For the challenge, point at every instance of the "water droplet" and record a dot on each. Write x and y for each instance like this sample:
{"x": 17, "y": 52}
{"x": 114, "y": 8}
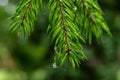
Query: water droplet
{"x": 54, "y": 65}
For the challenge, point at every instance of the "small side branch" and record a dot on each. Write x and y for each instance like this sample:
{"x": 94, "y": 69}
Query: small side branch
{"x": 88, "y": 11}
{"x": 25, "y": 14}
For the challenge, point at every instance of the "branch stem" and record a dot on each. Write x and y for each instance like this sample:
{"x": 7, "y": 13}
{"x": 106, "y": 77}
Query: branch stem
{"x": 88, "y": 11}
{"x": 25, "y": 14}
{"x": 64, "y": 27}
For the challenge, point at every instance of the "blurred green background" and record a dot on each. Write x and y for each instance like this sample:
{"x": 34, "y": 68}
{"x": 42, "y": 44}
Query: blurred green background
{"x": 32, "y": 59}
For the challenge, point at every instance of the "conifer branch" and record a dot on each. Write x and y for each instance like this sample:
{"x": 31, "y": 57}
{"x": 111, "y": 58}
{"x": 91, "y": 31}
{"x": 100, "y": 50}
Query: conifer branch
{"x": 90, "y": 16}
{"x": 71, "y": 22}
{"x": 92, "y": 19}
{"x": 64, "y": 27}
{"x": 65, "y": 32}
{"x": 25, "y": 14}
{"x": 25, "y": 17}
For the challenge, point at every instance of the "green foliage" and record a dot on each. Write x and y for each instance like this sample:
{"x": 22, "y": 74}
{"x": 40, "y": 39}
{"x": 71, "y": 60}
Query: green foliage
{"x": 90, "y": 19}
{"x": 71, "y": 22}
{"x": 65, "y": 32}
{"x": 25, "y": 17}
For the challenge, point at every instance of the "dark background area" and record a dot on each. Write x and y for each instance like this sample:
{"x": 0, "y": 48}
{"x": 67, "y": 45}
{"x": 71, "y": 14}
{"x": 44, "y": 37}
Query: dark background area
{"x": 32, "y": 59}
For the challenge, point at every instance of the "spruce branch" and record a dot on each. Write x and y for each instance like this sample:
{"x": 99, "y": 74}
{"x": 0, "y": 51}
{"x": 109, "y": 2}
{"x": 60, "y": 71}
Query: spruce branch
{"x": 25, "y": 14}
{"x": 90, "y": 17}
{"x": 65, "y": 33}
{"x": 64, "y": 27}
{"x": 25, "y": 17}
{"x": 71, "y": 22}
